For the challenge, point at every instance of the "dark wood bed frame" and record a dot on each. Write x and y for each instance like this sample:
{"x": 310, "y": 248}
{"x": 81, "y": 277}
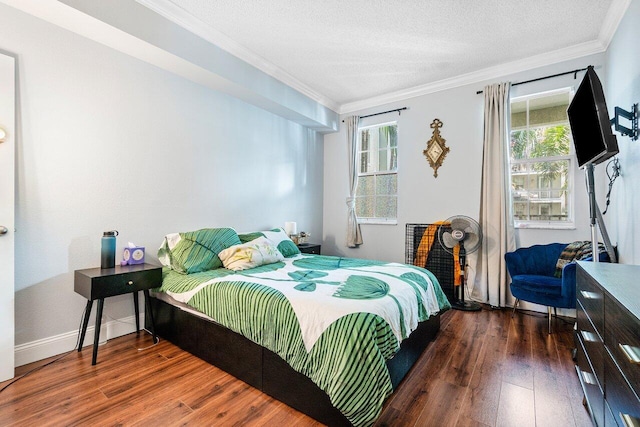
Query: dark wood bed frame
{"x": 265, "y": 370}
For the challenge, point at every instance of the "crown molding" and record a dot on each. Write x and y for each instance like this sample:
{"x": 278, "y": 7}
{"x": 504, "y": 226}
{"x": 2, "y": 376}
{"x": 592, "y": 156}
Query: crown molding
{"x": 479, "y": 76}
{"x": 612, "y": 20}
{"x": 179, "y": 16}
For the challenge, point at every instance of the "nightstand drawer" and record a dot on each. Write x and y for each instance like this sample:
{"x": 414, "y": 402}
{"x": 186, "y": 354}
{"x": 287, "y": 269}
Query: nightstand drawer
{"x": 309, "y": 248}
{"x": 97, "y": 283}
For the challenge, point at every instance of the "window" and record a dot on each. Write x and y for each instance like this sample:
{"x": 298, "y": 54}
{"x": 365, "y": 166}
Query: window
{"x": 377, "y": 193}
{"x": 540, "y": 160}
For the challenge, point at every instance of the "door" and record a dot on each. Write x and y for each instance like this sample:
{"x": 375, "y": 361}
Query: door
{"x": 7, "y": 214}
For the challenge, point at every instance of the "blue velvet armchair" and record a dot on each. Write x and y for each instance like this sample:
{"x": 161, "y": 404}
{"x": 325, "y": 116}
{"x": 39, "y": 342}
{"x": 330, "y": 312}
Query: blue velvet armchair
{"x": 532, "y": 272}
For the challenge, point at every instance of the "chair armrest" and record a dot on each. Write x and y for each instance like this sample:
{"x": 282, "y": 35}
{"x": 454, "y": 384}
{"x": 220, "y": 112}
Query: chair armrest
{"x": 514, "y": 263}
{"x": 569, "y": 280}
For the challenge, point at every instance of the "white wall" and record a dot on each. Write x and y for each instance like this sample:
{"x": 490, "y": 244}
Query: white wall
{"x": 109, "y": 142}
{"x": 622, "y": 88}
{"x": 423, "y": 198}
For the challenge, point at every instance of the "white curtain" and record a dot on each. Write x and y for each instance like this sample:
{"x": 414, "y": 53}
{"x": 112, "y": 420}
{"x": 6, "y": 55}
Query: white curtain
{"x": 496, "y": 219}
{"x": 354, "y": 236}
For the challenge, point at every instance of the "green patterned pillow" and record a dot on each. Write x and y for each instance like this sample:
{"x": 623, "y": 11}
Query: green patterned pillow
{"x": 278, "y": 237}
{"x": 196, "y": 251}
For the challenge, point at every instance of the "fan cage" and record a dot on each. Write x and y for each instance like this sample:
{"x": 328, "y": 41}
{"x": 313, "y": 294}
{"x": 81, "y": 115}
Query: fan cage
{"x": 438, "y": 260}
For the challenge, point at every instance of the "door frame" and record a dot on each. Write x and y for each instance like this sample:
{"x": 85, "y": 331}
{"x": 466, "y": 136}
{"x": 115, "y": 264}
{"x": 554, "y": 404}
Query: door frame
{"x": 8, "y": 81}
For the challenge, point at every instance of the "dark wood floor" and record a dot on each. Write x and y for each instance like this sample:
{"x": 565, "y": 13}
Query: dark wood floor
{"x": 484, "y": 369}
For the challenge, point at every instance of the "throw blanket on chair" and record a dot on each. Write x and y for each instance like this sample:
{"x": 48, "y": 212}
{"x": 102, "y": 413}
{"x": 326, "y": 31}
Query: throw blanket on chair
{"x": 428, "y": 239}
{"x": 575, "y": 251}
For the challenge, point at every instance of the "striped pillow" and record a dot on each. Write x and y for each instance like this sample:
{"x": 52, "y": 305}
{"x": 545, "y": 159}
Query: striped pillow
{"x": 196, "y": 251}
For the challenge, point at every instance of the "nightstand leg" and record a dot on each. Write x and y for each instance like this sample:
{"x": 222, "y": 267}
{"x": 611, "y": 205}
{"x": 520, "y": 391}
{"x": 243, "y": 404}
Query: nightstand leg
{"x": 96, "y": 337}
{"x": 85, "y": 322}
{"x": 150, "y": 312}
{"x": 137, "y": 311}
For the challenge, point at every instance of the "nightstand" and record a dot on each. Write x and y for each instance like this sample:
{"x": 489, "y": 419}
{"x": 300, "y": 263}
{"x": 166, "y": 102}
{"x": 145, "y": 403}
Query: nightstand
{"x": 309, "y": 248}
{"x": 100, "y": 283}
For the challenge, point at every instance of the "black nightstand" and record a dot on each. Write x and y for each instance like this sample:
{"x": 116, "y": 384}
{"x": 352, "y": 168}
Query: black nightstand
{"x": 309, "y": 248}
{"x": 99, "y": 283}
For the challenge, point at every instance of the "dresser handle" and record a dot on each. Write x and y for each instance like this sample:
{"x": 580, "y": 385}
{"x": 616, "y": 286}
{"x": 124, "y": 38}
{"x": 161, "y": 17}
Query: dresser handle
{"x": 590, "y": 295}
{"x": 588, "y": 378}
{"x": 629, "y": 421}
{"x": 130, "y": 283}
{"x": 632, "y": 353}
{"x": 589, "y": 336}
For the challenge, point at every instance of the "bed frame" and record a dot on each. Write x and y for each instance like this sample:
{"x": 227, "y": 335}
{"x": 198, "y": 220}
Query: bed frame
{"x": 265, "y": 370}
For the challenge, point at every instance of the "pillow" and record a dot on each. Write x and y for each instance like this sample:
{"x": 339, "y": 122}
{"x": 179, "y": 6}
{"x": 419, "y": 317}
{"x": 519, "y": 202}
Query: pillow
{"x": 196, "y": 251}
{"x": 279, "y": 238}
{"x": 255, "y": 253}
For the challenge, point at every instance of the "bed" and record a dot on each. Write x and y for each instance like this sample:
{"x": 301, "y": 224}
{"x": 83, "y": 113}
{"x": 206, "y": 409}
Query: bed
{"x": 329, "y": 336}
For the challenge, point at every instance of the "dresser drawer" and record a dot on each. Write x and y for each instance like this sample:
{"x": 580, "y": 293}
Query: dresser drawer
{"x": 592, "y": 343}
{"x": 624, "y": 403}
{"x": 622, "y": 338}
{"x": 591, "y": 296}
{"x": 609, "y": 418}
{"x": 592, "y": 391}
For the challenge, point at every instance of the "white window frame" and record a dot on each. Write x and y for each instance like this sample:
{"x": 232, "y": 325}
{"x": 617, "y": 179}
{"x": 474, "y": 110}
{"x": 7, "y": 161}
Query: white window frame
{"x": 374, "y": 160}
{"x": 570, "y": 158}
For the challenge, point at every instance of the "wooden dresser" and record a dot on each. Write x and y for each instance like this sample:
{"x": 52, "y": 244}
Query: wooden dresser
{"x": 608, "y": 341}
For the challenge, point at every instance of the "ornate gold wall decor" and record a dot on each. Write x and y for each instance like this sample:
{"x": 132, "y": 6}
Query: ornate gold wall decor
{"x": 436, "y": 147}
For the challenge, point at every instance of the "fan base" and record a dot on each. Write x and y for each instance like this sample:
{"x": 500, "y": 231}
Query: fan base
{"x": 466, "y": 306}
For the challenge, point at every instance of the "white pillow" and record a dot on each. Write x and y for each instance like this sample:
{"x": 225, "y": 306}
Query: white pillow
{"x": 252, "y": 254}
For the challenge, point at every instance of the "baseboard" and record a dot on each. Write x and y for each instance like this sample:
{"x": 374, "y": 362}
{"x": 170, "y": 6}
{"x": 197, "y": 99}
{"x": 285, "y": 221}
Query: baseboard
{"x": 63, "y": 343}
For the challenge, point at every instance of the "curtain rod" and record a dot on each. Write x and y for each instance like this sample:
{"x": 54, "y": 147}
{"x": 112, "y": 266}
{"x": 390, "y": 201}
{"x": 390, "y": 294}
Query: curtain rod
{"x": 384, "y": 112}
{"x": 574, "y": 72}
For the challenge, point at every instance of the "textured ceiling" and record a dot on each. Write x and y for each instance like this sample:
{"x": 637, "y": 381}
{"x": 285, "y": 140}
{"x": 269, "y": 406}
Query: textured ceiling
{"x": 353, "y": 50}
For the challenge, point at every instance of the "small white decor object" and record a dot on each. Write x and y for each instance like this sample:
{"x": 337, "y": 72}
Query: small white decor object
{"x": 291, "y": 228}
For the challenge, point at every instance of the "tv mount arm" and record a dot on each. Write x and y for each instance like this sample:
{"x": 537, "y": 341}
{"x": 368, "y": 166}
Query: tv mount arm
{"x": 597, "y": 219}
{"x": 629, "y": 115}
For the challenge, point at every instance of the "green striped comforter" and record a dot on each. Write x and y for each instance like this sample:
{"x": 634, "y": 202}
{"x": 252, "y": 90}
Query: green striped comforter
{"x": 335, "y": 320}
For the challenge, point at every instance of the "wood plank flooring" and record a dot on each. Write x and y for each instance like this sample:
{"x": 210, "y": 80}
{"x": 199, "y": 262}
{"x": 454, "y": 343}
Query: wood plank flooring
{"x": 484, "y": 369}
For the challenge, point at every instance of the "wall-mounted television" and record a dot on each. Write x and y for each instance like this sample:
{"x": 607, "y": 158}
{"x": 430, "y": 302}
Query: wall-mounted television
{"x": 593, "y": 139}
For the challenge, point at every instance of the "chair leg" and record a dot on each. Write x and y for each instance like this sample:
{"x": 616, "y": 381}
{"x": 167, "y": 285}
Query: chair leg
{"x": 549, "y": 315}
{"x": 515, "y": 304}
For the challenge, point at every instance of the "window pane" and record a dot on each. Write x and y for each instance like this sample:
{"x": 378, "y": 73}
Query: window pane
{"x": 539, "y": 191}
{"x": 394, "y": 159}
{"x": 364, "y": 162}
{"x": 365, "y": 186}
{"x": 393, "y": 133}
{"x": 365, "y": 207}
{"x": 386, "y": 207}
{"x": 550, "y": 109}
{"x": 520, "y": 145}
{"x": 378, "y": 160}
{"x": 518, "y": 114}
{"x": 364, "y": 140}
{"x": 387, "y": 184}
{"x": 520, "y": 211}
{"x": 382, "y": 160}
{"x": 549, "y": 141}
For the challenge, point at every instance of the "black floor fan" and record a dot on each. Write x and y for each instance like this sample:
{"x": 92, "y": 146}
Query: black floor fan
{"x": 464, "y": 234}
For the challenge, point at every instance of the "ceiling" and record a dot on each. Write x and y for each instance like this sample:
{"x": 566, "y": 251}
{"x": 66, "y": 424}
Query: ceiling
{"x": 346, "y": 52}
